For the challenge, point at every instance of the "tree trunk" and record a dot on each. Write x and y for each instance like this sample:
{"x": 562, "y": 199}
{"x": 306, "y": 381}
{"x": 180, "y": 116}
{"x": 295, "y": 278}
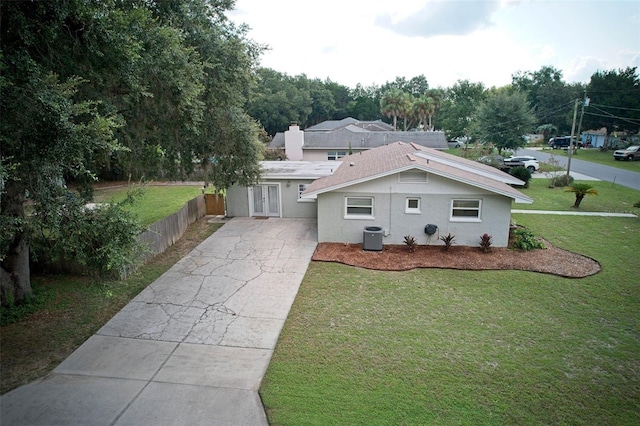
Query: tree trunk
{"x": 15, "y": 279}
{"x": 578, "y": 201}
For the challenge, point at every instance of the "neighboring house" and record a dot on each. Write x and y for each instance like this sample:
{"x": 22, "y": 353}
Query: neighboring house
{"x": 279, "y": 190}
{"x": 403, "y": 187}
{"x": 400, "y": 187}
{"x": 332, "y": 140}
{"x": 594, "y": 138}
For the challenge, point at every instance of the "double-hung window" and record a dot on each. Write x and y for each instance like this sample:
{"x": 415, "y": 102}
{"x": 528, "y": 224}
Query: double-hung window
{"x": 465, "y": 210}
{"x": 358, "y": 208}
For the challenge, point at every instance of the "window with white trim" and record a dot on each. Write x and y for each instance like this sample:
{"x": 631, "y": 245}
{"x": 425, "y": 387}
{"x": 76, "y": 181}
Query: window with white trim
{"x": 465, "y": 210}
{"x": 412, "y": 205}
{"x": 335, "y": 155}
{"x": 358, "y": 207}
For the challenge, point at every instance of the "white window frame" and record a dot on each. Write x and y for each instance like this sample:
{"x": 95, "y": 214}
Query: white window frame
{"x": 347, "y": 205}
{"x": 478, "y": 209}
{"x": 301, "y": 188}
{"x": 412, "y": 210}
{"x": 335, "y": 155}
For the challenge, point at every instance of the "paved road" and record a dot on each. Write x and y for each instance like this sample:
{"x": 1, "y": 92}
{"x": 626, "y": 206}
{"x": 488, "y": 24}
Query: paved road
{"x": 602, "y": 172}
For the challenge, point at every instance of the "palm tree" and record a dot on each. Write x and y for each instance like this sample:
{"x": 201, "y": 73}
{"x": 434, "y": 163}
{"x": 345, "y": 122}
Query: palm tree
{"x": 392, "y": 104}
{"x": 581, "y": 190}
{"x": 407, "y": 111}
{"x": 435, "y": 97}
{"x": 422, "y": 106}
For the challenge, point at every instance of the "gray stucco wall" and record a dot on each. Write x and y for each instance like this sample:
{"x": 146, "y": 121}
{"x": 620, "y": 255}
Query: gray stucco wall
{"x": 238, "y": 200}
{"x": 389, "y": 211}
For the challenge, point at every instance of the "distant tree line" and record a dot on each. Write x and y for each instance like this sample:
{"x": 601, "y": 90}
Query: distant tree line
{"x": 535, "y": 102}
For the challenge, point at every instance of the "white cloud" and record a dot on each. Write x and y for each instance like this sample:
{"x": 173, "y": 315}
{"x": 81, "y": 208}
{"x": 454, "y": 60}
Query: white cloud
{"x": 443, "y": 18}
{"x": 371, "y": 42}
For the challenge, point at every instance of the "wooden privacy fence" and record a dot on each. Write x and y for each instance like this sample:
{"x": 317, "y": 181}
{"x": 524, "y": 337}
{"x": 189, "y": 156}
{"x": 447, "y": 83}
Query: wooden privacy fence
{"x": 215, "y": 204}
{"x": 165, "y": 232}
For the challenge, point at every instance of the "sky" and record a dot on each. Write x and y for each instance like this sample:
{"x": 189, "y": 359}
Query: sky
{"x": 371, "y": 42}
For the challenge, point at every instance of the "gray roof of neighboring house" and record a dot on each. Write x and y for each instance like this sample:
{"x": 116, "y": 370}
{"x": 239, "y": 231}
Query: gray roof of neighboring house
{"x": 360, "y": 135}
{"x": 399, "y": 156}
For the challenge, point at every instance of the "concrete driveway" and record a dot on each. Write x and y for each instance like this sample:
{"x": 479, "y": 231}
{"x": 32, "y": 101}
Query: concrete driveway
{"x": 192, "y": 348}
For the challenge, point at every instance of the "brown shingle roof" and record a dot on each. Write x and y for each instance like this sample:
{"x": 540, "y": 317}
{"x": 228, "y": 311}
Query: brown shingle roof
{"x": 401, "y": 156}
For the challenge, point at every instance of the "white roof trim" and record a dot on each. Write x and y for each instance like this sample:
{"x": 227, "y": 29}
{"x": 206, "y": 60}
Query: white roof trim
{"x": 497, "y": 175}
{"x": 520, "y": 200}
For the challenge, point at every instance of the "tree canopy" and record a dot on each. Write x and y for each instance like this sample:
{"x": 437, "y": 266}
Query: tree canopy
{"x": 615, "y": 101}
{"x": 117, "y": 88}
{"x": 503, "y": 119}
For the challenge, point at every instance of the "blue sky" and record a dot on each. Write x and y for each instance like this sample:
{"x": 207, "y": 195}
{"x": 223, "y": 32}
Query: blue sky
{"x": 371, "y": 42}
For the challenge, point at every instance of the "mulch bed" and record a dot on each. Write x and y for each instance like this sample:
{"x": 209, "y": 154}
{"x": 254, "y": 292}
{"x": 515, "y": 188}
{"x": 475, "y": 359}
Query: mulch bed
{"x": 550, "y": 260}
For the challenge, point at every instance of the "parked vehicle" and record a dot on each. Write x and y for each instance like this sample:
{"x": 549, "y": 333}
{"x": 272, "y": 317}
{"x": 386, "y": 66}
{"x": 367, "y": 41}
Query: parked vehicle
{"x": 563, "y": 142}
{"x": 629, "y": 154}
{"x": 531, "y": 163}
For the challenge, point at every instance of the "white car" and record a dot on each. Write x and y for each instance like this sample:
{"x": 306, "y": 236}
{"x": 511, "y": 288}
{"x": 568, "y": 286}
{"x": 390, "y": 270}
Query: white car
{"x": 531, "y": 163}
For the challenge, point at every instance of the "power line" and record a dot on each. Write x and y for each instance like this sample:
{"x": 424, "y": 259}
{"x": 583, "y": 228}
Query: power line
{"x": 616, "y": 107}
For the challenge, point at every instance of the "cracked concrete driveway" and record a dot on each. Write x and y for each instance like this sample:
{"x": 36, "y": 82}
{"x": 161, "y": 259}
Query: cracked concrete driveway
{"x": 192, "y": 347}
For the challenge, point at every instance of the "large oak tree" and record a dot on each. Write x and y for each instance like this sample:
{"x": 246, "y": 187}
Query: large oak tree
{"x": 131, "y": 87}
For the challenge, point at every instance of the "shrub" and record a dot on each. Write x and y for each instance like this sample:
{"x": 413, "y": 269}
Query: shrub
{"x": 525, "y": 240}
{"x": 523, "y": 174}
{"x": 101, "y": 239}
{"x": 410, "y": 241}
{"x": 562, "y": 180}
{"x": 448, "y": 241}
{"x": 485, "y": 242}
{"x": 637, "y": 204}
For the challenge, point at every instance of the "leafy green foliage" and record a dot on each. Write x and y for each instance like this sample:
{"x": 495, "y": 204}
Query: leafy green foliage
{"x": 524, "y": 239}
{"x": 561, "y": 180}
{"x": 581, "y": 190}
{"x": 612, "y": 92}
{"x": 503, "y": 119}
{"x": 458, "y": 107}
{"x": 102, "y": 238}
{"x": 550, "y": 96}
{"x": 521, "y": 173}
{"x": 410, "y": 241}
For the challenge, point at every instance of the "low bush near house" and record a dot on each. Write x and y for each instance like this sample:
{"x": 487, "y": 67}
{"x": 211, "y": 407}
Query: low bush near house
{"x": 448, "y": 241}
{"x": 525, "y": 240}
{"x": 410, "y": 241}
{"x": 485, "y": 242}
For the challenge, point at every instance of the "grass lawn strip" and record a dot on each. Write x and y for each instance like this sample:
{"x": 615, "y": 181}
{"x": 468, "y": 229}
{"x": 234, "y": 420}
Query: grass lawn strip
{"x": 458, "y": 347}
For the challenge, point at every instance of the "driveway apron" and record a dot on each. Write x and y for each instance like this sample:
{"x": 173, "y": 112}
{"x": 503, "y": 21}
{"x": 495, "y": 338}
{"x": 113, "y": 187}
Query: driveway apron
{"x": 190, "y": 349}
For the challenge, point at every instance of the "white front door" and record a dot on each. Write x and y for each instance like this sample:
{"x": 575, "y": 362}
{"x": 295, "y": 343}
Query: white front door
{"x": 265, "y": 200}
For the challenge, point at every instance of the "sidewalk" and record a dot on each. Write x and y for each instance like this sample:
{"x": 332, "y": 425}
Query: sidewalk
{"x": 190, "y": 349}
{"x": 576, "y": 213}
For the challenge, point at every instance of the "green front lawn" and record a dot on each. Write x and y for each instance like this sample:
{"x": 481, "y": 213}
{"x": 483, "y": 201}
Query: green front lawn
{"x": 594, "y": 155}
{"x": 462, "y": 347}
{"x": 611, "y": 198}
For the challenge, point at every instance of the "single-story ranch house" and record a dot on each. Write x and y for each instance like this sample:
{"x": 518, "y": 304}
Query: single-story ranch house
{"x": 333, "y": 139}
{"x": 400, "y": 188}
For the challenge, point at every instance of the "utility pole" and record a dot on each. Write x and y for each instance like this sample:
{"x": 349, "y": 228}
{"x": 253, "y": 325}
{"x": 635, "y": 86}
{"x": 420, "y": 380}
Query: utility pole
{"x": 585, "y": 103}
{"x": 573, "y": 128}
